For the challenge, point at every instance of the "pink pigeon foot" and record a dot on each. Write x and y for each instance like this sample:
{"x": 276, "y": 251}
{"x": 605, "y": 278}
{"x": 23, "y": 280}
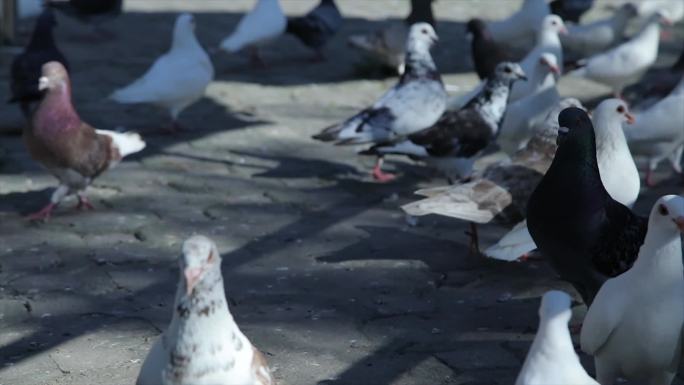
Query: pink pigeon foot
{"x": 42, "y": 215}
{"x": 649, "y": 178}
{"x": 84, "y": 203}
{"x": 382, "y": 176}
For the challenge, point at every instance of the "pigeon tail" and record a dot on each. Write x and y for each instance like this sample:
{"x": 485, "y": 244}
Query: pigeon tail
{"x": 126, "y": 142}
{"x": 513, "y": 245}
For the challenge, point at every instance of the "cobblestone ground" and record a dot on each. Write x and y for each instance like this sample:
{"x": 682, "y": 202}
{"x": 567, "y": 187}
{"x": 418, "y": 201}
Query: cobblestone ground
{"x": 323, "y": 272}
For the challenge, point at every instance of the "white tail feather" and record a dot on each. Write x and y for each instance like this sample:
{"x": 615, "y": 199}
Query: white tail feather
{"x": 127, "y": 142}
{"x": 513, "y": 245}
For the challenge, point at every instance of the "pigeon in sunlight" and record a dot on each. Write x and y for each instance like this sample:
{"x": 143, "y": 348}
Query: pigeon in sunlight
{"x": 627, "y": 62}
{"x": 177, "y": 79}
{"x": 589, "y": 39}
{"x": 416, "y": 102}
{"x": 317, "y": 27}
{"x": 657, "y": 133}
{"x": 27, "y": 66}
{"x": 455, "y": 141}
{"x": 500, "y": 192}
{"x": 70, "y": 149}
{"x": 523, "y": 24}
{"x": 587, "y": 236}
{"x": 89, "y": 11}
{"x": 265, "y": 22}
{"x": 634, "y": 326}
{"x": 486, "y": 52}
{"x": 203, "y": 345}
{"x": 552, "y": 358}
{"x": 618, "y": 171}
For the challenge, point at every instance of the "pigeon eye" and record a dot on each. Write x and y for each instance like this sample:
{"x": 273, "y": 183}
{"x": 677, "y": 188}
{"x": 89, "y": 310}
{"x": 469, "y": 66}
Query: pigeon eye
{"x": 663, "y": 210}
{"x": 621, "y": 109}
{"x": 553, "y": 23}
{"x": 424, "y": 31}
{"x": 508, "y": 70}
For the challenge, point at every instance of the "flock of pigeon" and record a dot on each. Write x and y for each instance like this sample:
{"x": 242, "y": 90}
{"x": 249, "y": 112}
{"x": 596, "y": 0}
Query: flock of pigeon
{"x": 613, "y": 257}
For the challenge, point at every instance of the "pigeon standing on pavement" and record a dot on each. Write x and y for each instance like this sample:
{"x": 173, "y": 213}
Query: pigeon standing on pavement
{"x": 317, "y": 27}
{"x": 413, "y": 104}
{"x": 459, "y": 136}
{"x": 27, "y": 66}
{"x": 626, "y": 63}
{"x": 486, "y": 52}
{"x": 634, "y": 327}
{"x": 203, "y": 345}
{"x": 177, "y": 79}
{"x": 265, "y": 22}
{"x": 586, "y": 235}
{"x": 552, "y": 358}
{"x": 73, "y": 151}
{"x": 657, "y": 133}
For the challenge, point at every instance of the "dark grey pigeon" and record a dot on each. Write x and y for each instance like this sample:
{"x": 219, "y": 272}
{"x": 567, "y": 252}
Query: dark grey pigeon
{"x": 27, "y": 66}
{"x": 454, "y": 141}
{"x": 486, "y": 53}
{"x": 92, "y": 12}
{"x": 586, "y": 235}
{"x": 413, "y": 104}
{"x": 317, "y": 27}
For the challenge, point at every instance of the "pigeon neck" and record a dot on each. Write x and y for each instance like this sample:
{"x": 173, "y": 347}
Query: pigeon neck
{"x": 610, "y": 139}
{"x": 183, "y": 39}
{"x": 662, "y": 249}
{"x": 553, "y": 337}
{"x": 421, "y": 11}
{"x": 491, "y": 102}
{"x": 42, "y": 36}
{"x": 56, "y": 112}
{"x": 650, "y": 31}
{"x": 419, "y": 64}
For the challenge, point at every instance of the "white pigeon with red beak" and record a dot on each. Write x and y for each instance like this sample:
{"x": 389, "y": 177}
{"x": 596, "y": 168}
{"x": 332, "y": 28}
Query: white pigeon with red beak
{"x": 531, "y": 111}
{"x": 618, "y": 171}
{"x": 634, "y": 326}
{"x": 203, "y": 345}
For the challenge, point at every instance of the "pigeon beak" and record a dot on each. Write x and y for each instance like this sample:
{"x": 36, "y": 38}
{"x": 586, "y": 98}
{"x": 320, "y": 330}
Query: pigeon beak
{"x": 555, "y": 70}
{"x": 679, "y": 221}
{"x": 42, "y": 83}
{"x": 630, "y": 118}
{"x": 563, "y": 31}
{"x": 192, "y": 276}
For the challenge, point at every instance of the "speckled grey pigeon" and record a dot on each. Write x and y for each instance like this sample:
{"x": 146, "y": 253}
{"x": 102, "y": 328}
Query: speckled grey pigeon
{"x": 203, "y": 345}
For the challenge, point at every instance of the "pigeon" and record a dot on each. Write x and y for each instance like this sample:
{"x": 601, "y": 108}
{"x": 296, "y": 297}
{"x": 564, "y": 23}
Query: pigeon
{"x": 486, "y": 52}
{"x": 618, "y": 171}
{"x": 529, "y": 111}
{"x": 387, "y": 45}
{"x": 203, "y": 345}
{"x": 552, "y": 358}
{"x": 571, "y": 10}
{"x": 501, "y": 191}
{"x": 265, "y": 22}
{"x": 177, "y": 79}
{"x": 459, "y": 136}
{"x": 416, "y": 102}
{"x": 634, "y": 326}
{"x": 523, "y": 24}
{"x": 317, "y": 27}
{"x": 625, "y": 63}
{"x": 589, "y": 39}
{"x": 657, "y": 133}
{"x": 673, "y": 10}
{"x": 73, "y": 151}
{"x": 89, "y": 11}
{"x": 27, "y": 66}
{"x": 586, "y": 235}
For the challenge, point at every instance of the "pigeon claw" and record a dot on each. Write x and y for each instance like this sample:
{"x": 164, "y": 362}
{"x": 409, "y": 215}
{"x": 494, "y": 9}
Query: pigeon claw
{"x": 42, "y": 215}
{"x": 84, "y": 204}
{"x": 382, "y": 176}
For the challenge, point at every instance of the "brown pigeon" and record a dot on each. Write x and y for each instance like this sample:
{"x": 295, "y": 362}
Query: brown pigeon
{"x": 73, "y": 151}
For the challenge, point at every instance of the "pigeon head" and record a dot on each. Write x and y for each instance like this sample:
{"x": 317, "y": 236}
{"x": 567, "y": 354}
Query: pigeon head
{"x": 42, "y": 32}
{"x": 554, "y": 23}
{"x": 661, "y": 17}
{"x": 613, "y": 110}
{"x": 628, "y": 10}
{"x": 549, "y": 62}
{"x": 509, "y": 71}
{"x": 421, "y": 37}
{"x": 575, "y": 123}
{"x": 184, "y": 30}
{"x": 53, "y": 77}
{"x": 667, "y": 216}
{"x": 555, "y": 304}
{"x": 200, "y": 259}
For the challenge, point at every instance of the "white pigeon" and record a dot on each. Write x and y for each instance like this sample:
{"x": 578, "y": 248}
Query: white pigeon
{"x": 627, "y": 62}
{"x": 263, "y": 23}
{"x": 589, "y": 39}
{"x": 523, "y": 24}
{"x": 672, "y": 9}
{"x": 634, "y": 326}
{"x": 552, "y": 359}
{"x": 532, "y": 110}
{"x": 203, "y": 345}
{"x": 547, "y": 42}
{"x": 618, "y": 172}
{"x": 177, "y": 79}
{"x": 657, "y": 133}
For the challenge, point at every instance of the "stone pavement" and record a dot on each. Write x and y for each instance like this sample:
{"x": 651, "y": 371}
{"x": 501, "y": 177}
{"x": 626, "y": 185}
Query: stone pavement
{"x": 323, "y": 271}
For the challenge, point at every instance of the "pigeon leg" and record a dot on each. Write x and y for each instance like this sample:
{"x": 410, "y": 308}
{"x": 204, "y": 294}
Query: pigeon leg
{"x": 649, "y": 178}
{"x": 84, "y": 203}
{"x": 44, "y": 213}
{"x": 474, "y": 245}
{"x": 379, "y": 175}
{"x": 255, "y": 58}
